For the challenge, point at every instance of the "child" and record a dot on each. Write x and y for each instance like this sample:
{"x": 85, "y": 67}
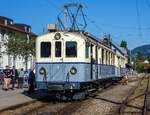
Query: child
{"x": 26, "y": 79}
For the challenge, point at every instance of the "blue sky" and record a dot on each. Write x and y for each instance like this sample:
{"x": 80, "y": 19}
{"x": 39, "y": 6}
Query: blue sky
{"x": 115, "y": 17}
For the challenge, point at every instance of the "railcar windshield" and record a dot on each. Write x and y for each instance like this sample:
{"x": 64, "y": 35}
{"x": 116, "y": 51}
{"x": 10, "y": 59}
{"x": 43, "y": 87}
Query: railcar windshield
{"x": 71, "y": 49}
{"x": 45, "y": 49}
{"x": 57, "y": 49}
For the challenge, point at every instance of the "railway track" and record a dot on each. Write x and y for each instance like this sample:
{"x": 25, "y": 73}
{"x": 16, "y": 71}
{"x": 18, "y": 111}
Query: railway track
{"x": 46, "y": 105}
{"x": 137, "y": 100}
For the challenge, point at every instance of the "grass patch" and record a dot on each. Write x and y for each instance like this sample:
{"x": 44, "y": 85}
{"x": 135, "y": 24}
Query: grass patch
{"x": 143, "y": 84}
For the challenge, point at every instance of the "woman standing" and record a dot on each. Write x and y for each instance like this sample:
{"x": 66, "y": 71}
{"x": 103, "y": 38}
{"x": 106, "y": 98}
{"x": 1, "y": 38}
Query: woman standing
{"x": 21, "y": 79}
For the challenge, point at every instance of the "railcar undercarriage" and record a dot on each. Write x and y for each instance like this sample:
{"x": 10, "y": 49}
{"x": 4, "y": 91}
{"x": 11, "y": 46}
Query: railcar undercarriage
{"x": 63, "y": 93}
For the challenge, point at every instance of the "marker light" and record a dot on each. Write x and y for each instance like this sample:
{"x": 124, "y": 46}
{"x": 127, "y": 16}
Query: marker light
{"x": 73, "y": 70}
{"x": 42, "y": 71}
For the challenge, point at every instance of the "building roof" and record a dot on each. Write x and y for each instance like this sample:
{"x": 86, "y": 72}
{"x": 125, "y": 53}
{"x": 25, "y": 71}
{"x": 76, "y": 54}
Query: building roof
{"x": 2, "y": 17}
{"x": 21, "y": 24}
{"x": 16, "y": 29}
{"x": 12, "y": 27}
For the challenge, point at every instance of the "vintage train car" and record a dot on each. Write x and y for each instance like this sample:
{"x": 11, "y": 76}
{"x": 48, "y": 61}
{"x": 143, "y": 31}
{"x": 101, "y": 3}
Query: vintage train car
{"x": 76, "y": 61}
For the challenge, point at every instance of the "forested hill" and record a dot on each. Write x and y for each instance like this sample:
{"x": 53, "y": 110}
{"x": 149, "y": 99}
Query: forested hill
{"x": 145, "y": 50}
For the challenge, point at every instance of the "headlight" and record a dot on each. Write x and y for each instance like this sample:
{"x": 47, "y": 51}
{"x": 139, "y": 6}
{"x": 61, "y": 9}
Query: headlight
{"x": 73, "y": 70}
{"x": 42, "y": 70}
{"x": 57, "y": 36}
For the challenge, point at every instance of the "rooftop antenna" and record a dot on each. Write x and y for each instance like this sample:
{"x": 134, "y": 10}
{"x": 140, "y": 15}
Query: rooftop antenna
{"x": 71, "y": 18}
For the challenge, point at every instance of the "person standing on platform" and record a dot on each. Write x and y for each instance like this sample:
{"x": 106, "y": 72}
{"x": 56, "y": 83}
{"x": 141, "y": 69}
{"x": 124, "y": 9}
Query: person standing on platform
{"x": 7, "y": 77}
{"x": 21, "y": 79}
{"x": 26, "y": 79}
{"x": 14, "y": 76}
{"x": 31, "y": 81}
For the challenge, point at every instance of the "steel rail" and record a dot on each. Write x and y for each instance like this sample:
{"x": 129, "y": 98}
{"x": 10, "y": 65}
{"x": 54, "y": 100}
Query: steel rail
{"x": 144, "y": 110}
{"x": 124, "y": 102}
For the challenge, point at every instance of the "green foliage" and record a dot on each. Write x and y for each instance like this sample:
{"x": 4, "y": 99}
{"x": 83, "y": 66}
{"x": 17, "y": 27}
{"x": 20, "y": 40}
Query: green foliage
{"x": 13, "y": 46}
{"x": 27, "y": 48}
{"x": 128, "y": 53}
{"x": 123, "y": 44}
{"x": 148, "y": 58}
{"x": 139, "y": 55}
{"x": 17, "y": 45}
{"x": 142, "y": 68}
{"x": 143, "y": 84}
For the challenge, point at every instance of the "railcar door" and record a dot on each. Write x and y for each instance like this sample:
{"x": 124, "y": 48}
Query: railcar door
{"x": 59, "y": 57}
{"x": 118, "y": 66}
{"x": 94, "y": 63}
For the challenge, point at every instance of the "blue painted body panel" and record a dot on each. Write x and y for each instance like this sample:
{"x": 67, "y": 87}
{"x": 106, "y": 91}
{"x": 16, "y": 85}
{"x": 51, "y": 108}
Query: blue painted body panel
{"x": 60, "y": 73}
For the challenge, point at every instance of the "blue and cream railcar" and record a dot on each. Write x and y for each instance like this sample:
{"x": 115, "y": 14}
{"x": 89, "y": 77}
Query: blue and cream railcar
{"x": 67, "y": 61}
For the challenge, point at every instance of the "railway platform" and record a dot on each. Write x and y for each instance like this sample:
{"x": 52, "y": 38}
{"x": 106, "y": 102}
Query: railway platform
{"x": 18, "y": 96}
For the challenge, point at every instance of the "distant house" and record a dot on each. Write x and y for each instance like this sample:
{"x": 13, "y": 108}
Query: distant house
{"x": 143, "y": 62}
{"x": 146, "y": 62}
{"x": 7, "y": 26}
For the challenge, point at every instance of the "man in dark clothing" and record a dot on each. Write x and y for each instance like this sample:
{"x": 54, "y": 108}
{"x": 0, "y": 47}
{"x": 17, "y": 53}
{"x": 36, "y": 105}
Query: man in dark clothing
{"x": 31, "y": 81}
{"x": 7, "y": 74}
{"x": 14, "y": 76}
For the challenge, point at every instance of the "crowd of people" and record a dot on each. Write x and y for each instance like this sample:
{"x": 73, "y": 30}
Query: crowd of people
{"x": 22, "y": 78}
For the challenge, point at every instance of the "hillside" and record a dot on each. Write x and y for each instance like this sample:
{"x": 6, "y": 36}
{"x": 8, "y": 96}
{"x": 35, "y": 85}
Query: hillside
{"x": 145, "y": 50}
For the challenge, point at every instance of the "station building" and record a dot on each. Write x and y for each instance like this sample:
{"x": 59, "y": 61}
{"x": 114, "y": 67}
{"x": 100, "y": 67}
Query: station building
{"x": 7, "y": 26}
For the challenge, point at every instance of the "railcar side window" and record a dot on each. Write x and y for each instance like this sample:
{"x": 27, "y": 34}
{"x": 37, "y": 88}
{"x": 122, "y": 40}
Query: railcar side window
{"x": 57, "y": 49}
{"x": 45, "y": 49}
{"x": 71, "y": 49}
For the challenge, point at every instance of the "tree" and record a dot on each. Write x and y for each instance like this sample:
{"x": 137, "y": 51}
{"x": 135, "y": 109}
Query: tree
{"x": 139, "y": 55}
{"x": 28, "y": 48}
{"x": 123, "y": 44}
{"x": 148, "y": 58}
{"x": 129, "y": 54}
{"x": 12, "y": 45}
{"x": 20, "y": 44}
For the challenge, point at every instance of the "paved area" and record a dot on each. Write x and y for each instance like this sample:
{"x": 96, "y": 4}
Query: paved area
{"x": 17, "y": 96}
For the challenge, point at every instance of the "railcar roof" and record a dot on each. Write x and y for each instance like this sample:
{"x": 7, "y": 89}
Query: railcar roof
{"x": 64, "y": 32}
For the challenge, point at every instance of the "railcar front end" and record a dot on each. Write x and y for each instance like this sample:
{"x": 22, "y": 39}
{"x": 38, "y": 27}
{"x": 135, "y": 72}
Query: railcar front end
{"x": 60, "y": 65}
